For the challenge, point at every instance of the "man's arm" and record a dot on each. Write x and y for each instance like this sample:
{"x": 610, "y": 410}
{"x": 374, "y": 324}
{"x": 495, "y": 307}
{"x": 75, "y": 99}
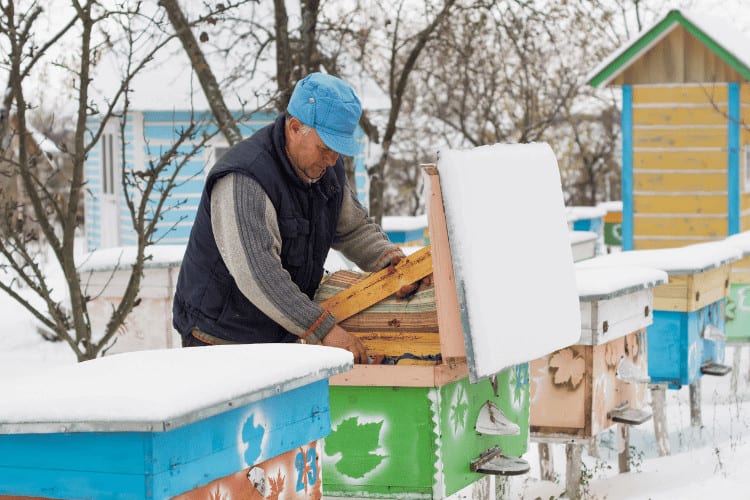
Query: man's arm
{"x": 360, "y": 239}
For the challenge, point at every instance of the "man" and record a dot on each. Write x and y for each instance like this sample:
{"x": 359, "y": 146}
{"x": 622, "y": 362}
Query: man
{"x": 271, "y": 209}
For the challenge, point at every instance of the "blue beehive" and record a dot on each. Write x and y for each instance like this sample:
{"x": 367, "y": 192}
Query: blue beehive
{"x": 155, "y": 424}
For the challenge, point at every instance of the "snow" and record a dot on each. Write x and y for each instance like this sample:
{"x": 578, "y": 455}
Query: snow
{"x": 581, "y": 236}
{"x": 124, "y": 257}
{"x": 599, "y": 282}
{"x": 691, "y": 259}
{"x": 741, "y": 241}
{"x": 582, "y": 212}
{"x": 610, "y": 206}
{"x": 708, "y": 461}
{"x": 404, "y": 222}
{"x": 494, "y": 263}
{"x": 138, "y": 390}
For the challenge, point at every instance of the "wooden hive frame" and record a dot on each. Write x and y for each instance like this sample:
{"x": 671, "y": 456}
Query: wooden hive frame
{"x": 435, "y": 259}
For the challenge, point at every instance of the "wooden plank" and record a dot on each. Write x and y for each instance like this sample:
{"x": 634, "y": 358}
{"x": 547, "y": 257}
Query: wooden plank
{"x": 681, "y": 115}
{"x": 446, "y": 296}
{"x": 682, "y": 160}
{"x": 679, "y": 226}
{"x": 394, "y": 343}
{"x": 402, "y": 375}
{"x": 669, "y": 182}
{"x": 680, "y": 204}
{"x": 680, "y": 93}
{"x": 646, "y": 243}
{"x": 379, "y": 285}
{"x": 688, "y": 293}
{"x": 679, "y": 137}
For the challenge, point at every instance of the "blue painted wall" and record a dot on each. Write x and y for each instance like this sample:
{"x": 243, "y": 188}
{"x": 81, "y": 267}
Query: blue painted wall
{"x": 150, "y": 465}
{"x": 147, "y": 135}
{"x": 676, "y": 348}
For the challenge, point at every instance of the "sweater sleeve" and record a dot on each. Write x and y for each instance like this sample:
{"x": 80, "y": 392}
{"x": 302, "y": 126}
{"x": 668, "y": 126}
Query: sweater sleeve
{"x": 360, "y": 239}
{"x": 247, "y": 234}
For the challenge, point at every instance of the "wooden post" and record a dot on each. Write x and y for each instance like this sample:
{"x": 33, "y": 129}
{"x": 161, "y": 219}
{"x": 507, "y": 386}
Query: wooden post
{"x": 696, "y": 419}
{"x": 501, "y": 487}
{"x": 736, "y": 361}
{"x": 546, "y": 462}
{"x": 594, "y": 446}
{"x": 623, "y": 447}
{"x": 573, "y": 471}
{"x": 658, "y": 404}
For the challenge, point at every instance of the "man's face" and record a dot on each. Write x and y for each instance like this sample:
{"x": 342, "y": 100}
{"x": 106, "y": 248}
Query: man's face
{"x": 309, "y": 156}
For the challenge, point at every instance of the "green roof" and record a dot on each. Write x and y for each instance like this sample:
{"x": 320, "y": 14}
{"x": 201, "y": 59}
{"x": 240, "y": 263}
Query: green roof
{"x": 728, "y": 44}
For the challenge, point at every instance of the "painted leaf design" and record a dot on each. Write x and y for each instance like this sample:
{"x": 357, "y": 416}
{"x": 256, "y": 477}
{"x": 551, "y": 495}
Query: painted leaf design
{"x": 568, "y": 368}
{"x": 252, "y": 435}
{"x": 277, "y": 486}
{"x": 357, "y": 444}
{"x": 460, "y": 410}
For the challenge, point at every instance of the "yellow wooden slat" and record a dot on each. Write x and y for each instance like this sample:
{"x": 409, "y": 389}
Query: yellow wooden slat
{"x": 397, "y": 343}
{"x": 682, "y": 204}
{"x": 671, "y": 115}
{"x": 679, "y": 226}
{"x": 692, "y": 292}
{"x": 680, "y": 160}
{"x": 745, "y": 222}
{"x": 693, "y": 93}
{"x": 380, "y": 285}
{"x": 679, "y": 182}
{"x": 680, "y": 138}
{"x": 646, "y": 243}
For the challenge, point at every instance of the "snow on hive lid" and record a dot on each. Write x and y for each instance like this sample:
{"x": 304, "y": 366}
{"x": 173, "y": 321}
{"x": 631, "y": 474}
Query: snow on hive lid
{"x": 741, "y": 241}
{"x": 506, "y": 315}
{"x": 160, "y": 390}
{"x": 691, "y": 259}
{"x": 597, "y": 283}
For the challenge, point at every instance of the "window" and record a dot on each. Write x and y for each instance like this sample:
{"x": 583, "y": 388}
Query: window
{"x": 109, "y": 157}
{"x": 214, "y": 152}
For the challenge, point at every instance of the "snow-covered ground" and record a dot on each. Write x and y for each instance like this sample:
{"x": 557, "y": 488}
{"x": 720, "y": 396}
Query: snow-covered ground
{"x": 707, "y": 462}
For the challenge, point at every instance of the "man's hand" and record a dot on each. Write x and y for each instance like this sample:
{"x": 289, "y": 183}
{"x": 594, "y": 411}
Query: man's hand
{"x": 409, "y": 290}
{"x": 338, "y": 337}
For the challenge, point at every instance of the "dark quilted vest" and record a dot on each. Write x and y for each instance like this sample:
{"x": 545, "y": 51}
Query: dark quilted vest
{"x": 207, "y": 296}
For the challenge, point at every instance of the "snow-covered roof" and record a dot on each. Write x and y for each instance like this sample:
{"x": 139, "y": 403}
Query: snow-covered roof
{"x": 719, "y": 35}
{"x": 596, "y": 283}
{"x": 107, "y": 259}
{"x": 611, "y": 206}
{"x": 146, "y": 390}
{"x": 691, "y": 259}
{"x": 741, "y": 241}
{"x": 404, "y": 222}
{"x": 579, "y": 212}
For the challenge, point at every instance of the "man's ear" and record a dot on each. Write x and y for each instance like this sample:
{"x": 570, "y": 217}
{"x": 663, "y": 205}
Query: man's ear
{"x": 294, "y": 124}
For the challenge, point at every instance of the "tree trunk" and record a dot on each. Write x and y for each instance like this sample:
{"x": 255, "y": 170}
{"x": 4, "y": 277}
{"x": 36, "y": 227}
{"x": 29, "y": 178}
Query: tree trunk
{"x": 224, "y": 119}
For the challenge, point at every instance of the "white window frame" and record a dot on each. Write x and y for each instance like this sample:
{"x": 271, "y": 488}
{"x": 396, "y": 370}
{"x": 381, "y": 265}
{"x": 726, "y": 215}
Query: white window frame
{"x": 217, "y": 145}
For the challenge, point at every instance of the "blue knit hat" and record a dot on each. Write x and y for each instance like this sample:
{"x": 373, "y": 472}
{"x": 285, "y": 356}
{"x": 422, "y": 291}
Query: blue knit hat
{"x": 330, "y": 106}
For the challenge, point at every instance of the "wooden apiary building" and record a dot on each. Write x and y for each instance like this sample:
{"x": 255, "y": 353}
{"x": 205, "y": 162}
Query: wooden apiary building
{"x": 685, "y": 95}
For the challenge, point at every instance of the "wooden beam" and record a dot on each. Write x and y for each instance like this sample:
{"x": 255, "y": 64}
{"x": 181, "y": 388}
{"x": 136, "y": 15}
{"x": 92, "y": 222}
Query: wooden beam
{"x": 380, "y": 285}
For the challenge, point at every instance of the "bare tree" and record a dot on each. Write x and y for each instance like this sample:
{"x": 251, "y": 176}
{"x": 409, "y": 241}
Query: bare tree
{"x": 88, "y": 34}
{"x": 209, "y": 84}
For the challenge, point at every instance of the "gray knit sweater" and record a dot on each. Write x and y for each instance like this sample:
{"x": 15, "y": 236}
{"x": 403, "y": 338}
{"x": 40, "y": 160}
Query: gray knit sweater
{"x": 253, "y": 256}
